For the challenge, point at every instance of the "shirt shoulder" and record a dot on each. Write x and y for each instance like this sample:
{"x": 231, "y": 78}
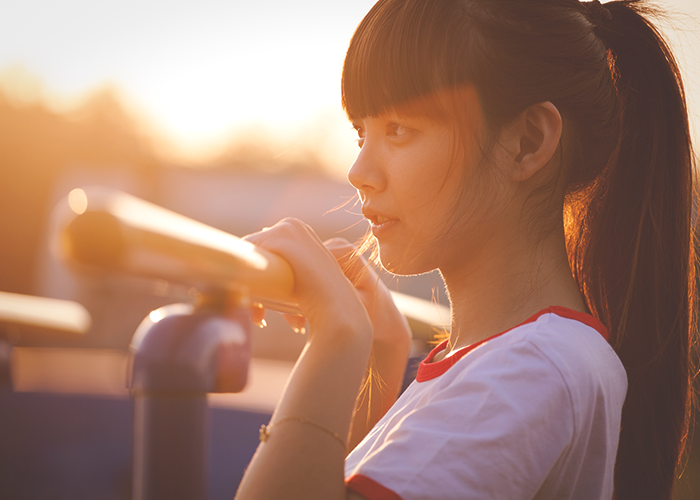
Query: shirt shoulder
{"x": 511, "y": 416}
{"x": 576, "y": 351}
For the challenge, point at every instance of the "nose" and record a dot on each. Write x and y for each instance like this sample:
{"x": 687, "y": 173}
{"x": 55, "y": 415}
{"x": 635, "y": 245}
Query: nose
{"x": 366, "y": 174}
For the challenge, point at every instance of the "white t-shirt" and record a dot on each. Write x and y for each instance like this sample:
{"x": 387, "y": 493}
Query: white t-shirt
{"x": 531, "y": 413}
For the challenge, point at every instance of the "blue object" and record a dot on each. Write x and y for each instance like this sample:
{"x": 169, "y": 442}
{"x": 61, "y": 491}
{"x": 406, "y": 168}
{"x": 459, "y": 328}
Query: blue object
{"x": 179, "y": 355}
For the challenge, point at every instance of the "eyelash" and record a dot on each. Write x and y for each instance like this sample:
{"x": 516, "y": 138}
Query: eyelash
{"x": 360, "y": 135}
{"x": 392, "y": 130}
{"x": 395, "y": 127}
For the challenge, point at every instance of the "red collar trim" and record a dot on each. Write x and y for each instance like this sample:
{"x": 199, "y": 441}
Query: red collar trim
{"x": 428, "y": 370}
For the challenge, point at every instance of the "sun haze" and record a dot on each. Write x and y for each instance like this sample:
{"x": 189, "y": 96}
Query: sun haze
{"x": 199, "y": 73}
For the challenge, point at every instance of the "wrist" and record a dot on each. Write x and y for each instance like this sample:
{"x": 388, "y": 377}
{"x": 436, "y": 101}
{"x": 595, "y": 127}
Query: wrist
{"x": 344, "y": 333}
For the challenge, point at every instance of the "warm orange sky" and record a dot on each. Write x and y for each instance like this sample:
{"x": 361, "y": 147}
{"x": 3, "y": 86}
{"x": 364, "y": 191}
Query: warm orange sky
{"x": 199, "y": 71}
{"x": 196, "y": 70}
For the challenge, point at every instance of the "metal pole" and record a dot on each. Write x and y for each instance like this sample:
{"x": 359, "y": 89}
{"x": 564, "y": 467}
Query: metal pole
{"x": 180, "y": 354}
{"x": 5, "y": 361}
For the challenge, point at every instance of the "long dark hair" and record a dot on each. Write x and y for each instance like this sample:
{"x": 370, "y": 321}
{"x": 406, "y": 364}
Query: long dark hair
{"x": 626, "y": 158}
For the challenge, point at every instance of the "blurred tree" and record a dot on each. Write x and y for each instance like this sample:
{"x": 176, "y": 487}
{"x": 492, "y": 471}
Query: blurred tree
{"x": 36, "y": 145}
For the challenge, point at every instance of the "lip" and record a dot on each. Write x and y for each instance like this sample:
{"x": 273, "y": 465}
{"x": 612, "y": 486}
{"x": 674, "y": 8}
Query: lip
{"x": 380, "y": 223}
{"x": 381, "y": 230}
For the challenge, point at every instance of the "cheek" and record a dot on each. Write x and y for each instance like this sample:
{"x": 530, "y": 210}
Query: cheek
{"x": 480, "y": 203}
{"x": 468, "y": 203}
{"x": 429, "y": 183}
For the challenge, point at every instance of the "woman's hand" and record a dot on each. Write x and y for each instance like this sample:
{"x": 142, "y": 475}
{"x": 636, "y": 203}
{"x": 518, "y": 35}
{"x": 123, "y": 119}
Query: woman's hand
{"x": 303, "y": 456}
{"x": 388, "y": 323}
{"x": 323, "y": 292}
{"x": 331, "y": 275}
{"x": 391, "y": 344}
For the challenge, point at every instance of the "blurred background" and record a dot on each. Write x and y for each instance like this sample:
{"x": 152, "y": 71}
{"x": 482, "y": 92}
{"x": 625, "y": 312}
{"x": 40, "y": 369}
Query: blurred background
{"x": 225, "y": 111}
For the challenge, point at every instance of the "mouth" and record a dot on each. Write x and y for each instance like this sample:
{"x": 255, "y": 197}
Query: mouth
{"x": 380, "y": 224}
{"x": 377, "y": 220}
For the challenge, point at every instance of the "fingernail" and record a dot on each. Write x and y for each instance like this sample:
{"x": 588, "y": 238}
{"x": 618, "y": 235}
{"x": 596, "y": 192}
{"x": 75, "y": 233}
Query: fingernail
{"x": 260, "y": 324}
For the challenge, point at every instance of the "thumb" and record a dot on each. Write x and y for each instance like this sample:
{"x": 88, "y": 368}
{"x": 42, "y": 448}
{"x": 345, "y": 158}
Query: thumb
{"x": 354, "y": 265}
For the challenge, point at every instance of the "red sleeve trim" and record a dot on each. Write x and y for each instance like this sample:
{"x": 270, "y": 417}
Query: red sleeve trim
{"x": 584, "y": 318}
{"x": 369, "y": 488}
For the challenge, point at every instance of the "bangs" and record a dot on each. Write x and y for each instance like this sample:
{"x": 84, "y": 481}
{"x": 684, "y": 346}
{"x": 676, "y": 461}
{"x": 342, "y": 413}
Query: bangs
{"x": 459, "y": 105}
{"x": 403, "y": 51}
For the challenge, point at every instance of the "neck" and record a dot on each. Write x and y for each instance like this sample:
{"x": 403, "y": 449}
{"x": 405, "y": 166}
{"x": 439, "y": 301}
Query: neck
{"x": 505, "y": 283}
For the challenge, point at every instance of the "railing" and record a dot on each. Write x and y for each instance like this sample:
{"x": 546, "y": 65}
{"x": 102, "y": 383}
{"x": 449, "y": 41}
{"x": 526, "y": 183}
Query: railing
{"x": 42, "y": 312}
{"x": 182, "y": 352}
{"x": 46, "y": 314}
{"x": 115, "y": 231}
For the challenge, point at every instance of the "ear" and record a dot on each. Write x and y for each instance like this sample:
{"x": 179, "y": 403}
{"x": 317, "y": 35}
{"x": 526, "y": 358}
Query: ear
{"x": 533, "y": 139}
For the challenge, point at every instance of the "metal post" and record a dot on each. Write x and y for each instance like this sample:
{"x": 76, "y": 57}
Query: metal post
{"x": 5, "y": 361}
{"x": 180, "y": 354}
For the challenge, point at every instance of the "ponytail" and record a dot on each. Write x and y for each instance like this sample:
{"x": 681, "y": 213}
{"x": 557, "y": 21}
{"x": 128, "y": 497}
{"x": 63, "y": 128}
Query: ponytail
{"x": 632, "y": 250}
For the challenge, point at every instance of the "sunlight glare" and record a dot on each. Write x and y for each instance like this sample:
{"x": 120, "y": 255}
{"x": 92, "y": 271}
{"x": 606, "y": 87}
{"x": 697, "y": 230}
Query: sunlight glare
{"x": 77, "y": 201}
{"x": 156, "y": 315}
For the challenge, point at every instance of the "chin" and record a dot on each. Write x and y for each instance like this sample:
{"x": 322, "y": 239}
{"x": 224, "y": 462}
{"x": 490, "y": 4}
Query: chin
{"x": 405, "y": 265}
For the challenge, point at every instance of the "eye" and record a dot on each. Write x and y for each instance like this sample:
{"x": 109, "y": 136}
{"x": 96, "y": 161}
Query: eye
{"x": 360, "y": 134}
{"x": 396, "y": 130}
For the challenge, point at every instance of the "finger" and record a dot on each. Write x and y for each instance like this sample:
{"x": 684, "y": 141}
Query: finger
{"x": 354, "y": 265}
{"x": 343, "y": 251}
{"x": 253, "y": 237}
{"x": 258, "y": 235}
{"x": 257, "y": 315}
{"x": 297, "y": 322}
{"x": 338, "y": 242}
{"x": 277, "y": 237}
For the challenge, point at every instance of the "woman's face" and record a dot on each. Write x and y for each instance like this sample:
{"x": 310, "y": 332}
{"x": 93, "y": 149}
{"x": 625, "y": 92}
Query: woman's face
{"x": 410, "y": 180}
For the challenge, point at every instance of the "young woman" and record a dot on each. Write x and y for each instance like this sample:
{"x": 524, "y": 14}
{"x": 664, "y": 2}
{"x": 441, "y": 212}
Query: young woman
{"x": 537, "y": 153}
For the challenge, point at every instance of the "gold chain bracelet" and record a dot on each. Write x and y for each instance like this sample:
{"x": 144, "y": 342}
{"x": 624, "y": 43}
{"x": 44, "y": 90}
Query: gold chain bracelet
{"x": 265, "y": 429}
